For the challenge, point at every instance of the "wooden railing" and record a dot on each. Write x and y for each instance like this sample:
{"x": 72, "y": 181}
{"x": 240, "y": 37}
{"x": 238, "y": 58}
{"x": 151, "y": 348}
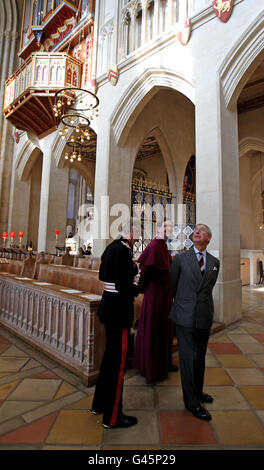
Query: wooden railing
{"x": 63, "y": 325}
{"x": 42, "y": 72}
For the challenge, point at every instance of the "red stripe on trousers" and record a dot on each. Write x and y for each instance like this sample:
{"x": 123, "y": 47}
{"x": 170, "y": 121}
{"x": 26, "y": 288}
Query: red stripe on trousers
{"x": 120, "y": 378}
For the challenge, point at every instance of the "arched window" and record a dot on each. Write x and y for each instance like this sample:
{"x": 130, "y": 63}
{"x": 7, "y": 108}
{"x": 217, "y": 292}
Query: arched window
{"x": 45, "y": 74}
{"x": 38, "y": 12}
{"x": 59, "y": 74}
{"x": 150, "y": 21}
{"x": 164, "y": 14}
{"x": 38, "y": 73}
{"x": 74, "y": 78}
{"x": 69, "y": 75}
{"x": 52, "y": 74}
{"x": 138, "y": 24}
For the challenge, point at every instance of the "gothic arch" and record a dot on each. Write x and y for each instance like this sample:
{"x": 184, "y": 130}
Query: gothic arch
{"x": 26, "y": 157}
{"x": 174, "y": 180}
{"x": 140, "y": 92}
{"x": 241, "y": 61}
{"x": 250, "y": 143}
{"x": 58, "y": 147}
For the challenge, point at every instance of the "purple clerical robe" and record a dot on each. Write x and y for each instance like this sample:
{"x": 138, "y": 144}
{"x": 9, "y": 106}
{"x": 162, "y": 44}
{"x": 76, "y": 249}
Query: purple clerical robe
{"x": 153, "y": 345}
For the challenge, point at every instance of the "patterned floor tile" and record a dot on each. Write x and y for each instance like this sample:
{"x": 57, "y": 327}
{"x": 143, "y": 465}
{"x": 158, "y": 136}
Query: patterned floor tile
{"x": 174, "y": 378}
{"x": 138, "y": 398}
{"x": 8, "y": 364}
{"x": 241, "y": 338}
{"x": 181, "y": 427}
{"x": 65, "y": 389}
{"x": 169, "y": 398}
{"x": 35, "y": 389}
{"x": 211, "y": 361}
{"x": 259, "y": 337}
{"x": 216, "y": 376}
{"x": 234, "y": 360}
{"x": 226, "y": 398}
{"x": 238, "y": 428}
{"x": 45, "y": 375}
{"x": 251, "y": 348}
{"x": 261, "y": 415}
{"x": 257, "y": 358}
{"x": 13, "y": 351}
{"x": 246, "y": 376}
{"x": 4, "y": 340}
{"x": 75, "y": 427}
{"x": 35, "y": 432}
{"x": 84, "y": 404}
{"x": 9, "y": 409}
{"x": 219, "y": 339}
{"x": 5, "y": 390}
{"x": 255, "y": 396}
{"x": 31, "y": 364}
{"x": 224, "y": 348}
{"x": 3, "y": 348}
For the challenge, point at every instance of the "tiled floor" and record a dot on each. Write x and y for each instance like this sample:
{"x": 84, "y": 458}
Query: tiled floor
{"x": 43, "y": 406}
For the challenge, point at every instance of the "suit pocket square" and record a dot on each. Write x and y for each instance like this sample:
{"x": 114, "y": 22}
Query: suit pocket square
{"x": 215, "y": 268}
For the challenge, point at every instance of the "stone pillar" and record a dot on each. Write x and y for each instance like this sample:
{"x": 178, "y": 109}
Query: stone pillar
{"x": 144, "y": 27}
{"x": 156, "y": 17}
{"x": 183, "y": 10}
{"x": 19, "y": 206}
{"x": 170, "y": 13}
{"x": 110, "y": 189}
{"x": 53, "y": 199}
{"x": 217, "y": 192}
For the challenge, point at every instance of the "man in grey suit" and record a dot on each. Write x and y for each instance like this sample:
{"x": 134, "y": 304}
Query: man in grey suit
{"x": 193, "y": 276}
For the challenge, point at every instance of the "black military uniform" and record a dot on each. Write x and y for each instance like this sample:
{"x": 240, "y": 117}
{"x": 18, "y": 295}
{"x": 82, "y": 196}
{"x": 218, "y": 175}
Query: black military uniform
{"x": 116, "y": 311}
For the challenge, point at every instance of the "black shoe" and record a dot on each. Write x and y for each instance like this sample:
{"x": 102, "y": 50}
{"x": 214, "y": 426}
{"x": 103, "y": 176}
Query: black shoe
{"x": 123, "y": 422}
{"x": 95, "y": 412}
{"x": 199, "y": 412}
{"x": 174, "y": 368}
{"x": 205, "y": 398}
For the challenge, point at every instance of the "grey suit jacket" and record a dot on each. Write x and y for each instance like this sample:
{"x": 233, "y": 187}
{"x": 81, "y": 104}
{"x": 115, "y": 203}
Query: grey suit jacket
{"x": 193, "y": 301}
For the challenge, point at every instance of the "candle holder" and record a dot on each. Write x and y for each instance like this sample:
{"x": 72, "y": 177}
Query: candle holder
{"x": 4, "y": 236}
{"x": 57, "y": 232}
{"x": 12, "y": 236}
{"x": 21, "y": 235}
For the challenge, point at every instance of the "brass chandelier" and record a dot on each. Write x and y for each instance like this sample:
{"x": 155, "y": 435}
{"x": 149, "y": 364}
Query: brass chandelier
{"x": 75, "y": 108}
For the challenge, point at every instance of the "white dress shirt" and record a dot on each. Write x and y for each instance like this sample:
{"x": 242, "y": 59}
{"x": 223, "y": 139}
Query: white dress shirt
{"x": 198, "y": 256}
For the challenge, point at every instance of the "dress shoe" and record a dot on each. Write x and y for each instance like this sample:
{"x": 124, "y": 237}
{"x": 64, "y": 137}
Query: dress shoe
{"x": 205, "y": 398}
{"x": 95, "y": 412}
{"x": 199, "y": 412}
{"x": 123, "y": 422}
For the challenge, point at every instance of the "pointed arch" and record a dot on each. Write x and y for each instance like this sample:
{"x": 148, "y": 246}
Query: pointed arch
{"x": 26, "y": 157}
{"x": 139, "y": 93}
{"x": 241, "y": 61}
{"x": 250, "y": 143}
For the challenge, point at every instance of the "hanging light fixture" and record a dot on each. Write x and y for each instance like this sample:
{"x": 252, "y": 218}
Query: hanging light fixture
{"x": 75, "y": 108}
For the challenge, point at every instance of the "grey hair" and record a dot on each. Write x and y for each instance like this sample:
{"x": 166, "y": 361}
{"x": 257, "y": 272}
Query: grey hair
{"x": 208, "y": 230}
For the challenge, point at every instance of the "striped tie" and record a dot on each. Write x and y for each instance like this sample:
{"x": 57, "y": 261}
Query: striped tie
{"x": 201, "y": 262}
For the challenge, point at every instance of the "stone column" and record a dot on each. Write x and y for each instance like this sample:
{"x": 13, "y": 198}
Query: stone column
{"x": 183, "y": 10}
{"x": 110, "y": 189}
{"x": 156, "y": 17}
{"x": 170, "y": 13}
{"x": 217, "y": 192}
{"x": 144, "y": 27}
{"x": 53, "y": 199}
